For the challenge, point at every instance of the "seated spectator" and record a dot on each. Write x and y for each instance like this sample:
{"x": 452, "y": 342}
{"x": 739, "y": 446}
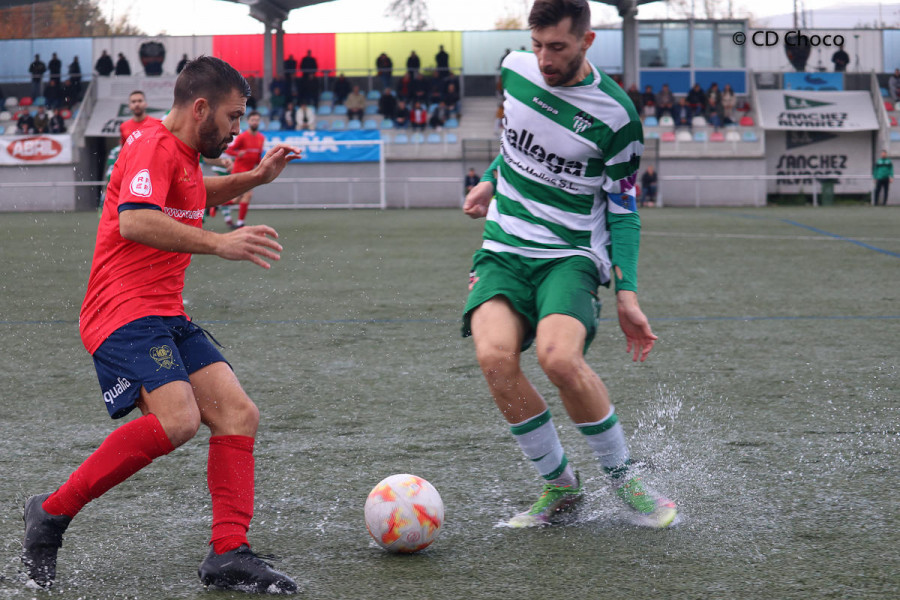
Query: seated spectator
{"x": 279, "y": 83}
{"x": 696, "y": 99}
{"x": 636, "y": 99}
{"x": 451, "y": 99}
{"x": 648, "y": 183}
{"x": 435, "y": 88}
{"x": 341, "y": 89}
{"x": 387, "y": 104}
{"x": 305, "y": 117}
{"x": 418, "y": 117}
{"x": 401, "y": 117}
{"x": 665, "y": 101}
{"x": 648, "y": 100}
{"x": 53, "y": 94}
{"x": 728, "y": 102}
{"x": 70, "y": 93}
{"x": 57, "y": 123}
{"x": 439, "y": 116}
{"x": 714, "y": 111}
{"x": 420, "y": 90}
{"x": 277, "y": 103}
{"x": 356, "y": 104}
{"x": 288, "y": 118}
{"x": 472, "y": 179}
{"x": 41, "y": 122}
{"x": 681, "y": 113}
{"x": 894, "y": 85}
{"x": 25, "y": 124}
{"x": 405, "y": 89}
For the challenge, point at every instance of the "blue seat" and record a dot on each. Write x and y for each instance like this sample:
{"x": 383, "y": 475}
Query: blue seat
{"x": 450, "y": 138}
{"x": 750, "y": 136}
{"x": 885, "y": 93}
{"x": 401, "y": 138}
{"x": 40, "y": 101}
{"x": 651, "y": 122}
{"x": 700, "y": 136}
{"x": 387, "y": 124}
{"x": 326, "y": 96}
{"x": 340, "y": 109}
{"x": 434, "y": 138}
{"x": 452, "y": 123}
{"x": 370, "y": 124}
{"x": 263, "y": 111}
{"x": 652, "y": 135}
{"x": 354, "y": 124}
{"x": 418, "y": 138}
{"x": 371, "y": 109}
{"x": 338, "y": 124}
{"x": 324, "y": 110}
{"x": 373, "y": 95}
{"x": 322, "y": 125}
{"x": 895, "y": 136}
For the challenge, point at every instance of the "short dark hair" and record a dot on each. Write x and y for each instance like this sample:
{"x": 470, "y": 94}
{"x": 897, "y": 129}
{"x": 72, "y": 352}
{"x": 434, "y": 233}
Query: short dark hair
{"x": 254, "y": 113}
{"x": 546, "y": 13}
{"x": 210, "y": 78}
{"x": 137, "y": 92}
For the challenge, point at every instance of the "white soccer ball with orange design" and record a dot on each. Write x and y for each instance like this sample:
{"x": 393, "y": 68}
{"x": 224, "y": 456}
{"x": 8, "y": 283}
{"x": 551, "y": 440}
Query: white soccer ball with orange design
{"x": 404, "y": 513}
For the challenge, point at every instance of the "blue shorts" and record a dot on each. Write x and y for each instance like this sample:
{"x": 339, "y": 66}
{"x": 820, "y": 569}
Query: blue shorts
{"x": 149, "y": 352}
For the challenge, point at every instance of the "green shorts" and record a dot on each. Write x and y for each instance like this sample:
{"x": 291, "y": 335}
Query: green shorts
{"x": 536, "y": 288}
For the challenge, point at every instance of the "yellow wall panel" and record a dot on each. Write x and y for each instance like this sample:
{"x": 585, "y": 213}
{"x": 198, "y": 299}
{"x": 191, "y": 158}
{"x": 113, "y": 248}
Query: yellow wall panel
{"x": 356, "y": 52}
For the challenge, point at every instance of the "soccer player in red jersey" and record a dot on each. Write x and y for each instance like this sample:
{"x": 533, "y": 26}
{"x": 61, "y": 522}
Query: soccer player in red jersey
{"x": 137, "y": 103}
{"x": 147, "y": 352}
{"x": 247, "y": 151}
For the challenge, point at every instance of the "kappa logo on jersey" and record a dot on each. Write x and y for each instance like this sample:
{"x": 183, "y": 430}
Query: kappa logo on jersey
{"x": 140, "y": 184}
{"x": 524, "y": 142}
{"x": 582, "y": 121}
{"x": 163, "y": 356}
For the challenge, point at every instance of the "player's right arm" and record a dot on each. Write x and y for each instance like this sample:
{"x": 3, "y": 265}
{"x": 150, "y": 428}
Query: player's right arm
{"x": 479, "y": 197}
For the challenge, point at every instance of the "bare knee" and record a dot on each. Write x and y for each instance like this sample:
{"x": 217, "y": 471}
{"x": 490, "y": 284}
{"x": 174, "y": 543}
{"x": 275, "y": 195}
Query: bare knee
{"x": 180, "y": 423}
{"x": 496, "y": 361}
{"x": 564, "y": 370}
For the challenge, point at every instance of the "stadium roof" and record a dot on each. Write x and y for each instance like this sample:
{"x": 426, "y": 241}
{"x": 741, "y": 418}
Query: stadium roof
{"x": 275, "y": 11}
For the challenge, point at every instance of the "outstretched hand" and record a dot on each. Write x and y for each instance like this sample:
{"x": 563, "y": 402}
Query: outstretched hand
{"x": 478, "y": 199}
{"x": 253, "y": 243}
{"x": 634, "y": 325}
{"x": 275, "y": 160}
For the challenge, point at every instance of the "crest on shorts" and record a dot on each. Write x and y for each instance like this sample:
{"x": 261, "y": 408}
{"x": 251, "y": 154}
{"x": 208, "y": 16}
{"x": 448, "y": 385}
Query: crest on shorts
{"x": 163, "y": 356}
{"x": 582, "y": 121}
{"x": 473, "y": 279}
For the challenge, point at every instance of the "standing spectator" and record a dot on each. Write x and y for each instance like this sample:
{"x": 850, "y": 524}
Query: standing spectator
{"x": 37, "y": 69}
{"x": 71, "y": 94}
{"x": 696, "y": 99}
{"x": 308, "y": 86}
{"x": 41, "y": 121}
{"x": 356, "y": 104}
{"x": 181, "y": 63}
{"x": 435, "y": 89}
{"x": 53, "y": 93}
{"x": 54, "y": 66}
{"x": 894, "y": 85}
{"x": 413, "y": 64}
{"x": 883, "y": 173}
{"x": 122, "y": 66}
{"x": 729, "y": 100}
{"x": 288, "y": 117}
{"x": 290, "y": 71}
{"x": 472, "y": 179}
{"x": 840, "y": 59}
{"x": 57, "y": 123}
{"x": 385, "y": 67}
{"x": 309, "y": 66}
{"x": 648, "y": 183}
{"x": 419, "y": 89}
{"x": 401, "y": 117}
{"x": 405, "y": 88}
{"x": 665, "y": 101}
{"x": 635, "y": 94}
{"x": 25, "y": 123}
{"x": 387, "y": 104}
{"x": 341, "y": 89}
{"x": 305, "y": 117}
{"x": 418, "y": 117}
{"x": 75, "y": 77}
{"x": 648, "y": 100}
{"x": 104, "y": 65}
{"x": 442, "y": 60}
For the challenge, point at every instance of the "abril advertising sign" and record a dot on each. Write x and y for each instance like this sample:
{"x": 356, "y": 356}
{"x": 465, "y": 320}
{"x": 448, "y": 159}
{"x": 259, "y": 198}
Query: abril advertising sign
{"x": 330, "y": 146}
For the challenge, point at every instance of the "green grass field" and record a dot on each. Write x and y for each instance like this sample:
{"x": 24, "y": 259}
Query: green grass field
{"x": 769, "y": 411}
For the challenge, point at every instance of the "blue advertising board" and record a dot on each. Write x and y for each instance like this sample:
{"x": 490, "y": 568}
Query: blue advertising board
{"x": 814, "y": 82}
{"x": 329, "y": 146}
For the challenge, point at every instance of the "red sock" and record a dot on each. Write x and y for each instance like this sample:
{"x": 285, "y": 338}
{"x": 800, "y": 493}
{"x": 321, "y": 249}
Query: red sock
{"x": 242, "y": 211}
{"x": 230, "y": 478}
{"x": 212, "y": 211}
{"x": 124, "y": 452}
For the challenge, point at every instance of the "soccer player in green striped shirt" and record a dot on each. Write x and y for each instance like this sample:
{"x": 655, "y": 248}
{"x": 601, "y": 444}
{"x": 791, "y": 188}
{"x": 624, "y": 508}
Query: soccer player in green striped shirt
{"x": 561, "y": 221}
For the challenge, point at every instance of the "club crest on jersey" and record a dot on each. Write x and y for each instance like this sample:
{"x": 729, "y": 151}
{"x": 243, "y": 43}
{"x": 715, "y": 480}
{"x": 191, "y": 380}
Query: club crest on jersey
{"x": 140, "y": 184}
{"x": 163, "y": 356}
{"x": 524, "y": 142}
{"x": 582, "y": 121}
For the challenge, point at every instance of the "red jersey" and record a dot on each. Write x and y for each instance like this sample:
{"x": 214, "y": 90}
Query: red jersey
{"x": 130, "y": 280}
{"x": 247, "y": 148}
{"x": 130, "y": 126}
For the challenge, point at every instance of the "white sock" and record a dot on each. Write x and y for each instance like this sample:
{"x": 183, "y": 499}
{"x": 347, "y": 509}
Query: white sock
{"x": 539, "y": 442}
{"x": 607, "y": 439}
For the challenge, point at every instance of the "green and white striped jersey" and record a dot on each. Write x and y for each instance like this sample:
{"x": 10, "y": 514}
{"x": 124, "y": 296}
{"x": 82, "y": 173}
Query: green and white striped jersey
{"x": 568, "y": 163}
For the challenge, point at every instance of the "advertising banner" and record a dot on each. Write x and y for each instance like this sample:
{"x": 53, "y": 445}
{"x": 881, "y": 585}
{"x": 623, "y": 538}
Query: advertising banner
{"x": 816, "y": 111}
{"x": 821, "y": 82}
{"x": 330, "y": 146}
{"x": 36, "y": 149}
{"x": 799, "y": 158}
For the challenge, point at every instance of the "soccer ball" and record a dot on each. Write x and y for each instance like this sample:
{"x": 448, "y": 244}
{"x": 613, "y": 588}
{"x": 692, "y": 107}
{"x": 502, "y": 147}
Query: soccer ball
{"x": 404, "y": 513}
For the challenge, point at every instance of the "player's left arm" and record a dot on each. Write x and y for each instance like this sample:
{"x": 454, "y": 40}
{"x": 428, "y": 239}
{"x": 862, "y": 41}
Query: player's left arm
{"x": 222, "y": 189}
{"x": 624, "y": 224}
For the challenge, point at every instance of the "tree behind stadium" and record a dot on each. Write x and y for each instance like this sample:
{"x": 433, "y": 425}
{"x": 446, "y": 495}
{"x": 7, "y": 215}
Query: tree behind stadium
{"x": 62, "y": 18}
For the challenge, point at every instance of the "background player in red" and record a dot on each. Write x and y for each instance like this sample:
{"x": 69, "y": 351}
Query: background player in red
{"x": 147, "y": 352}
{"x": 247, "y": 151}
{"x": 137, "y": 102}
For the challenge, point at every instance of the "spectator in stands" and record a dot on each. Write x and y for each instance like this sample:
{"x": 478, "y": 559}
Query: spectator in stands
{"x": 356, "y": 104}
{"x": 309, "y": 66}
{"x": 385, "y": 68}
{"x": 681, "y": 113}
{"x": 37, "y": 69}
{"x": 405, "y": 89}
{"x": 413, "y": 64}
{"x": 181, "y": 63}
{"x": 894, "y": 86}
{"x": 71, "y": 94}
{"x": 840, "y": 59}
{"x": 280, "y": 83}
{"x": 696, "y": 99}
{"x": 25, "y": 123}
{"x": 435, "y": 88}
{"x": 635, "y": 94}
{"x": 75, "y": 77}
{"x": 387, "y": 104}
{"x": 288, "y": 118}
{"x": 342, "y": 89}
{"x": 418, "y": 117}
{"x": 648, "y": 185}
{"x": 41, "y": 121}
{"x": 665, "y": 101}
{"x": 54, "y": 66}
{"x": 420, "y": 89}
{"x": 883, "y": 174}
{"x": 290, "y": 72}
{"x": 401, "y": 117}
{"x": 442, "y": 61}
{"x": 57, "y": 123}
{"x": 439, "y": 116}
{"x": 451, "y": 99}
{"x": 53, "y": 94}
{"x": 472, "y": 179}
{"x": 305, "y": 117}
{"x": 728, "y": 102}
{"x": 122, "y": 66}
{"x": 104, "y": 65}
{"x": 277, "y": 102}
{"x": 715, "y": 113}
{"x": 648, "y": 100}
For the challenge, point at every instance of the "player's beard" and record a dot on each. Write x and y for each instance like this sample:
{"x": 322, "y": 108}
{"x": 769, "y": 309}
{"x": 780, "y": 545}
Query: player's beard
{"x": 254, "y": 128}
{"x": 211, "y": 145}
{"x": 138, "y": 114}
{"x": 568, "y": 73}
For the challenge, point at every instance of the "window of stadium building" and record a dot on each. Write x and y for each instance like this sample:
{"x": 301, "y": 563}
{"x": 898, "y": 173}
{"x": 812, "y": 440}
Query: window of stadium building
{"x": 714, "y": 46}
{"x": 664, "y": 45}
{"x": 668, "y": 45}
